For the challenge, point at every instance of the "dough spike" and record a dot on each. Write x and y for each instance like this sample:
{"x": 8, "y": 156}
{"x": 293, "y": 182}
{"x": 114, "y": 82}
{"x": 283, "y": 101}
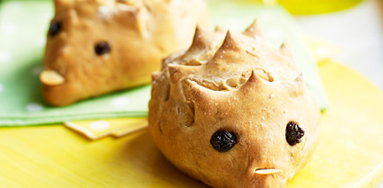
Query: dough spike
{"x": 256, "y": 80}
{"x": 253, "y": 80}
{"x": 136, "y": 18}
{"x": 253, "y": 30}
{"x": 200, "y": 40}
{"x": 228, "y": 50}
{"x": 285, "y": 49}
{"x": 199, "y": 94}
{"x": 194, "y": 92}
{"x": 219, "y": 29}
{"x": 73, "y": 17}
{"x": 229, "y": 43}
{"x": 297, "y": 87}
{"x": 156, "y": 76}
{"x": 174, "y": 73}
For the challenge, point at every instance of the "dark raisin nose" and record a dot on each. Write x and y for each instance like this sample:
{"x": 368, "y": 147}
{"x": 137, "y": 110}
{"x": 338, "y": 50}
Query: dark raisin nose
{"x": 294, "y": 133}
{"x": 223, "y": 141}
{"x": 55, "y": 28}
{"x": 102, "y": 48}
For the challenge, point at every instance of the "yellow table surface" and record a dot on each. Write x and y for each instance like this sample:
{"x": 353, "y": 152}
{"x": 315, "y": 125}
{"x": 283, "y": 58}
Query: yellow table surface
{"x": 350, "y": 152}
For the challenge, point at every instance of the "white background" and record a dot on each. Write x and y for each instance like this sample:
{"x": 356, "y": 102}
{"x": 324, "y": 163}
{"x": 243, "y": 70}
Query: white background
{"x": 358, "y": 32}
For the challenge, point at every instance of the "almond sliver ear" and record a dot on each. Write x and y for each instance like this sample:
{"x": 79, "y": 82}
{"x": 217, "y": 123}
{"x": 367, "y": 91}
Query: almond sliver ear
{"x": 51, "y": 77}
{"x": 267, "y": 171}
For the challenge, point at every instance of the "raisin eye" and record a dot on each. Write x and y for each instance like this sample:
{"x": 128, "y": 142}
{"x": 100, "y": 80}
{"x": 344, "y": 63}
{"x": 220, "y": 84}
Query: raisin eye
{"x": 294, "y": 133}
{"x": 223, "y": 141}
{"x": 102, "y": 48}
{"x": 54, "y": 28}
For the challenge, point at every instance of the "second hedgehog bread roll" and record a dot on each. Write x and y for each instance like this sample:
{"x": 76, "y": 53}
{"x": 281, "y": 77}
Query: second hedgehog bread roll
{"x": 233, "y": 111}
{"x": 98, "y": 46}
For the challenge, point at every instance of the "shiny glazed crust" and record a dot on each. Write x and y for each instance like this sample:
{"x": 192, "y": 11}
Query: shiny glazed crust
{"x": 241, "y": 84}
{"x": 140, "y": 34}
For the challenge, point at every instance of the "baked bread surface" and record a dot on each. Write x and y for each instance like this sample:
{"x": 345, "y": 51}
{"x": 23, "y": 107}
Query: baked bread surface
{"x": 237, "y": 84}
{"x": 99, "y": 46}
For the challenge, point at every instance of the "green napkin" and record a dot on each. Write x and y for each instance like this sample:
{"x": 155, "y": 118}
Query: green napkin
{"x": 23, "y": 25}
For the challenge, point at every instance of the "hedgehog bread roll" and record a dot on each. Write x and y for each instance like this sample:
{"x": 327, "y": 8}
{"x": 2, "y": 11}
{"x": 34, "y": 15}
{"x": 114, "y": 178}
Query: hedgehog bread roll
{"x": 96, "y": 47}
{"x": 233, "y": 111}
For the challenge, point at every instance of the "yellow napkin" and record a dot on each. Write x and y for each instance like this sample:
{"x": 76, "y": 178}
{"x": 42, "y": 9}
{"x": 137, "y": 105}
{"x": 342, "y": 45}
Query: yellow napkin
{"x": 117, "y": 127}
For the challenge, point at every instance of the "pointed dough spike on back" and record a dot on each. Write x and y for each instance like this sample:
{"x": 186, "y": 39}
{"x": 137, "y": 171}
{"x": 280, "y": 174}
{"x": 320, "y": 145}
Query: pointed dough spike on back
{"x": 195, "y": 92}
{"x": 296, "y": 87}
{"x": 229, "y": 43}
{"x": 139, "y": 18}
{"x": 219, "y": 29}
{"x": 251, "y": 83}
{"x": 177, "y": 71}
{"x": 286, "y": 49}
{"x": 200, "y": 40}
{"x": 156, "y": 75}
{"x": 174, "y": 73}
{"x": 253, "y": 30}
{"x": 228, "y": 50}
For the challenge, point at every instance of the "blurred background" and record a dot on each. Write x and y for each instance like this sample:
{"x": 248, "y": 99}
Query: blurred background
{"x": 354, "y": 30}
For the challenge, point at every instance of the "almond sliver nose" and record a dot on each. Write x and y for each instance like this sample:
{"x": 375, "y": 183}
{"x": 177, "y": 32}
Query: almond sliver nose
{"x": 51, "y": 77}
{"x": 267, "y": 171}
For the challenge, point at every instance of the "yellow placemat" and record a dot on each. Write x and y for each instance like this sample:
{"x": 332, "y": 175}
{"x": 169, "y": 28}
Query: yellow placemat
{"x": 349, "y": 153}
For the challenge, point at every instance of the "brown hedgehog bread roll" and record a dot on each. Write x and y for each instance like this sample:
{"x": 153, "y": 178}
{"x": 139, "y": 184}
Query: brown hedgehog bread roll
{"x": 233, "y": 111}
{"x": 99, "y": 46}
